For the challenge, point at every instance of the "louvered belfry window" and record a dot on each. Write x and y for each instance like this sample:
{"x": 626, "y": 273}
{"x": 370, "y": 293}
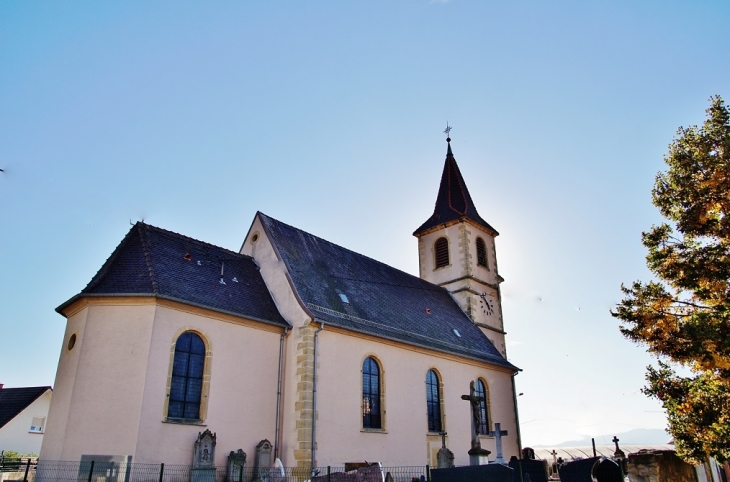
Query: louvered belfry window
{"x": 187, "y": 377}
{"x": 371, "y": 394}
{"x": 482, "y": 392}
{"x": 481, "y": 253}
{"x": 433, "y": 401}
{"x": 441, "y": 249}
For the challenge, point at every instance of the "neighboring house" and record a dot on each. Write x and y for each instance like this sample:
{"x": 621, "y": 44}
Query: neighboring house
{"x": 23, "y": 413}
{"x": 292, "y": 339}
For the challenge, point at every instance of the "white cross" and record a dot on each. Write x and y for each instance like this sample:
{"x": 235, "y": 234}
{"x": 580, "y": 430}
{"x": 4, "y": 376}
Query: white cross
{"x": 497, "y": 433}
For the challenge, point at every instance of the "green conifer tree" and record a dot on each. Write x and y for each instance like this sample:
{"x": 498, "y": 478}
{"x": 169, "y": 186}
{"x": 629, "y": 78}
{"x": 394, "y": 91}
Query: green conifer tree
{"x": 684, "y": 315}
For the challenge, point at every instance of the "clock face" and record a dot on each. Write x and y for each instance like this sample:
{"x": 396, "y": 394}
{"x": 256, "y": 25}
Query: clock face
{"x": 486, "y": 305}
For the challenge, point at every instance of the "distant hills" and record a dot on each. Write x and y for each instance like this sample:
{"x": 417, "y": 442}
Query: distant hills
{"x": 639, "y": 436}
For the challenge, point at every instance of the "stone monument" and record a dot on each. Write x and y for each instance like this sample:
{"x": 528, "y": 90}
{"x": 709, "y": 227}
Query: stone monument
{"x": 444, "y": 457}
{"x": 235, "y": 466}
{"x": 497, "y": 433}
{"x": 263, "y": 459}
{"x": 203, "y": 469}
{"x": 477, "y": 455}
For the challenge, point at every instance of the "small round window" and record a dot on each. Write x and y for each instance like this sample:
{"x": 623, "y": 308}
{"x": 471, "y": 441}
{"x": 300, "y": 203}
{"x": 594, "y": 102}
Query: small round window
{"x": 254, "y": 238}
{"x": 71, "y": 342}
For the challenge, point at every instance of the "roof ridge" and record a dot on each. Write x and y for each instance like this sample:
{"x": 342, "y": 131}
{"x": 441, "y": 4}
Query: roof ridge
{"x": 188, "y": 238}
{"x": 415, "y": 278}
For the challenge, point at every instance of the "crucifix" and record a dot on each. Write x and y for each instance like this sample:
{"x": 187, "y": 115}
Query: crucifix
{"x": 498, "y": 433}
{"x": 447, "y": 131}
{"x": 477, "y": 455}
{"x": 476, "y": 419}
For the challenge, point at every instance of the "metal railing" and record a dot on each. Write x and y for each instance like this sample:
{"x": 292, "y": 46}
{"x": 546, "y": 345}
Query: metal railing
{"x": 102, "y": 471}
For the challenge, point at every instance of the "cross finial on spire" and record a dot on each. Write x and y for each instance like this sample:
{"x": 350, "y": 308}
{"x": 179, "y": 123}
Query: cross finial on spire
{"x": 447, "y": 131}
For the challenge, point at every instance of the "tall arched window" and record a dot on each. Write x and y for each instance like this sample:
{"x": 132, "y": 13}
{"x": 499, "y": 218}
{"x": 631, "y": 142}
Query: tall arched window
{"x": 186, "y": 385}
{"x": 371, "y": 394}
{"x": 433, "y": 401}
{"x": 441, "y": 251}
{"x": 481, "y": 253}
{"x": 482, "y": 392}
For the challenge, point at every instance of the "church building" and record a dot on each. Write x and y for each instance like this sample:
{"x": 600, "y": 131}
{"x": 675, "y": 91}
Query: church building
{"x": 331, "y": 356}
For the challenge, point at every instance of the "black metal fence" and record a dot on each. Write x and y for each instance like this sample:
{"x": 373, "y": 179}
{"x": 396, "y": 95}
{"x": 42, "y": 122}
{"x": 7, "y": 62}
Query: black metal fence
{"x": 93, "y": 471}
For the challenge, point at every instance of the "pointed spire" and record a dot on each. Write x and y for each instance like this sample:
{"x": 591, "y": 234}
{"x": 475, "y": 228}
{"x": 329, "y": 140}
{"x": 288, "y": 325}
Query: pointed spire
{"x": 453, "y": 200}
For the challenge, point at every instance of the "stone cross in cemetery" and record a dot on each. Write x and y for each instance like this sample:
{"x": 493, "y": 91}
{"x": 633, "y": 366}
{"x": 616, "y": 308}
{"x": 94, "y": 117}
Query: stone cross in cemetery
{"x": 477, "y": 455}
{"x": 497, "y": 433}
{"x": 444, "y": 457}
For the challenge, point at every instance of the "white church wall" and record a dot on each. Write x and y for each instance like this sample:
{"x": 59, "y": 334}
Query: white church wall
{"x": 53, "y": 439}
{"x": 106, "y": 381}
{"x": 405, "y": 439}
{"x": 273, "y": 271}
{"x": 241, "y": 403}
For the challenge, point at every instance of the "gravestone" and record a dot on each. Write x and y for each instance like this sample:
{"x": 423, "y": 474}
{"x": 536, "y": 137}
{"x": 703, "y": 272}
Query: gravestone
{"x": 578, "y": 470}
{"x": 236, "y": 466}
{"x": 368, "y": 473}
{"x": 203, "y": 469}
{"x": 608, "y": 471}
{"x": 263, "y": 459}
{"x": 444, "y": 457}
{"x": 535, "y": 469}
{"x": 474, "y": 473}
{"x": 528, "y": 453}
{"x": 497, "y": 434}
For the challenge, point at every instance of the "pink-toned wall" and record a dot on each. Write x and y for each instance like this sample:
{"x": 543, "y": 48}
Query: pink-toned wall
{"x": 244, "y": 360}
{"x": 100, "y": 381}
{"x": 112, "y": 384}
{"x": 405, "y": 440}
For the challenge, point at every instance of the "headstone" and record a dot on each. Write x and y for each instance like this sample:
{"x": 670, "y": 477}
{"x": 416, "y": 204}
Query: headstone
{"x": 444, "y": 457}
{"x": 263, "y": 459}
{"x": 578, "y": 470}
{"x": 203, "y": 469}
{"x": 498, "y": 433}
{"x": 474, "y": 473}
{"x": 477, "y": 455}
{"x": 619, "y": 456}
{"x": 608, "y": 471}
{"x": 659, "y": 466}
{"x": 535, "y": 469}
{"x": 369, "y": 473}
{"x": 107, "y": 468}
{"x": 236, "y": 466}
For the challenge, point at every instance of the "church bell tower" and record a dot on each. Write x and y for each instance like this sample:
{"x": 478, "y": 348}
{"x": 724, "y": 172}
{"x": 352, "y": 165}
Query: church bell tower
{"x": 456, "y": 250}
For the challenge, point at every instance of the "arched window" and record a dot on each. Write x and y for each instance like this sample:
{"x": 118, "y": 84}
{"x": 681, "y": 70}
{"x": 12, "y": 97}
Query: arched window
{"x": 371, "y": 394}
{"x": 481, "y": 253}
{"x": 482, "y": 392}
{"x": 433, "y": 401}
{"x": 441, "y": 251}
{"x": 186, "y": 385}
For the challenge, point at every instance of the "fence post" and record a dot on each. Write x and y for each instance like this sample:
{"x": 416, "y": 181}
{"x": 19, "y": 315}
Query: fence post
{"x": 329, "y": 472}
{"x": 428, "y": 473}
{"x": 27, "y": 468}
{"x": 162, "y": 471}
{"x": 91, "y": 471}
{"x": 240, "y": 473}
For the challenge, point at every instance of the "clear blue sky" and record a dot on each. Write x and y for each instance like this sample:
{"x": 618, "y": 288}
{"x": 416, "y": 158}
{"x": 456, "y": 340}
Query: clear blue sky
{"x": 329, "y": 116}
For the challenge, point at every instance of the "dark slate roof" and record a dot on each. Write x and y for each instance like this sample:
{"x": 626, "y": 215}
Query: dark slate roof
{"x": 15, "y": 400}
{"x": 453, "y": 201}
{"x": 155, "y": 262}
{"x": 382, "y": 301}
